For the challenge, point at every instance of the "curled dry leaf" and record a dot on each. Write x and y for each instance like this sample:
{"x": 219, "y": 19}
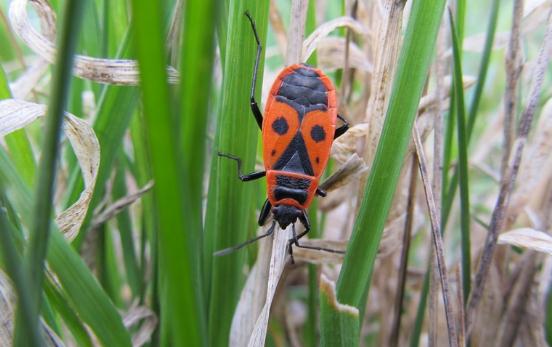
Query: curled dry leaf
{"x": 119, "y": 205}
{"x": 325, "y": 29}
{"x": 149, "y": 321}
{"x": 277, "y": 263}
{"x": 527, "y": 238}
{"x": 111, "y": 71}
{"x": 16, "y": 114}
{"x": 331, "y": 55}
{"x": 353, "y": 167}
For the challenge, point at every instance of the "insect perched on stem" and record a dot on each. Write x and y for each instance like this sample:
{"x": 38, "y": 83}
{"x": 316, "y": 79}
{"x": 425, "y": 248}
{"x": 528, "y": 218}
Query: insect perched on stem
{"x": 298, "y": 130}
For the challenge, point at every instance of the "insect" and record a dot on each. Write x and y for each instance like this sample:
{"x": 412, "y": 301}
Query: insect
{"x": 298, "y": 129}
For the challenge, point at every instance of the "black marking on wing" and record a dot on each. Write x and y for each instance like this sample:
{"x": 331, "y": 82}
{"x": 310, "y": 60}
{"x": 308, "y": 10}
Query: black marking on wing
{"x": 280, "y": 126}
{"x": 295, "y": 158}
{"x": 317, "y": 133}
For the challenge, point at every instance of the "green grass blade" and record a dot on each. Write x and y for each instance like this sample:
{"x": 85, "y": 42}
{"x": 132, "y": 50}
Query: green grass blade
{"x": 448, "y": 194}
{"x": 124, "y": 224}
{"x": 229, "y": 206}
{"x": 339, "y": 324}
{"x": 20, "y": 279}
{"x": 462, "y": 163}
{"x": 411, "y": 74}
{"x": 197, "y": 56}
{"x": 180, "y": 303}
{"x": 40, "y": 230}
{"x": 85, "y": 294}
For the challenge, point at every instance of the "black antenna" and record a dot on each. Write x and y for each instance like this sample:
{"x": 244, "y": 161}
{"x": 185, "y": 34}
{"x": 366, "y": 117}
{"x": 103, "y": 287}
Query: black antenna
{"x": 241, "y": 245}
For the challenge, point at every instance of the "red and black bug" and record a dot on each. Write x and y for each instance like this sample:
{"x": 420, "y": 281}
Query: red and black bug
{"x": 298, "y": 130}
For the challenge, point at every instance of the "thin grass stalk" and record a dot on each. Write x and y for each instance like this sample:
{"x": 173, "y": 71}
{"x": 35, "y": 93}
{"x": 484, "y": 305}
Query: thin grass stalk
{"x": 43, "y": 205}
{"x": 180, "y": 303}
{"x": 407, "y": 235}
{"x": 19, "y": 277}
{"x": 462, "y": 162}
{"x": 474, "y": 104}
{"x": 508, "y": 182}
{"x": 410, "y": 77}
{"x": 448, "y": 189}
{"x": 437, "y": 239}
{"x": 513, "y": 73}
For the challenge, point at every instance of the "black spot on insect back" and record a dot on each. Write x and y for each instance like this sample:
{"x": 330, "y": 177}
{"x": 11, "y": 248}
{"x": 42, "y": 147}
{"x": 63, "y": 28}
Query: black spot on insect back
{"x": 317, "y": 133}
{"x": 273, "y": 153}
{"x": 280, "y": 126}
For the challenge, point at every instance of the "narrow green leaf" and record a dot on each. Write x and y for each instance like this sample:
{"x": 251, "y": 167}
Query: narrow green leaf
{"x": 410, "y": 77}
{"x": 462, "y": 163}
{"x": 124, "y": 225}
{"x": 85, "y": 294}
{"x": 180, "y": 300}
{"x": 339, "y": 324}
{"x": 229, "y": 206}
{"x": 448, "y": 194}
{"x": 43, "y": 206}
{"x": 20, "y": 279}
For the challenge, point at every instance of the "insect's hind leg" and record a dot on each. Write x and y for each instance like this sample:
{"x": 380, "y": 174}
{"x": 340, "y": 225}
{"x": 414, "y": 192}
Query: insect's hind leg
{"x": 253, "y": 103}
{"x": 247, "y": 177}
{"x": 295, "y": 240}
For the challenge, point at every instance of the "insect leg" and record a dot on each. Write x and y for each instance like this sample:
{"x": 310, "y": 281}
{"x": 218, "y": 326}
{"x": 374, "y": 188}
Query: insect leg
{"x": 254, "y": 106}
{"x": 305, "y": 221}
{"x": 241, "y": 245}
{"x": 342, "y": 129}
{"x": 264, "y": 212}
{"x": 321, "y": 192}
{"x": 248, "y": 177}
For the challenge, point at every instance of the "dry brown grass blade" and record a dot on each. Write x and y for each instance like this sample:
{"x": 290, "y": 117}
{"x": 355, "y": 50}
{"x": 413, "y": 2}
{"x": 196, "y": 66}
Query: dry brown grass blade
{"x": 353, "y": 167}
{"x": 16, "y": 114}
{"x": 253, "y": 295}
{"x": 7, "y": 300}
{"x": 460, "y": 306}
{"x": 509, "y": 180}
{"x": 296, "y": 31}
{"x": 119, "y": 205}
{"x": 386, "y": 52}
{"x": 537, "y": 172}
{"x": 325, "y": 29}
{"x": 331, "y": 55}
{"x": 111, "y": 71}
{"x": 517, "y": 302}
{"x": 148, "y": 322}
{"x": 437, "y": 239}
{"x": 514, "y": 67}
{"x": 527, "y": 238}
{"x": 277, "y": 263}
